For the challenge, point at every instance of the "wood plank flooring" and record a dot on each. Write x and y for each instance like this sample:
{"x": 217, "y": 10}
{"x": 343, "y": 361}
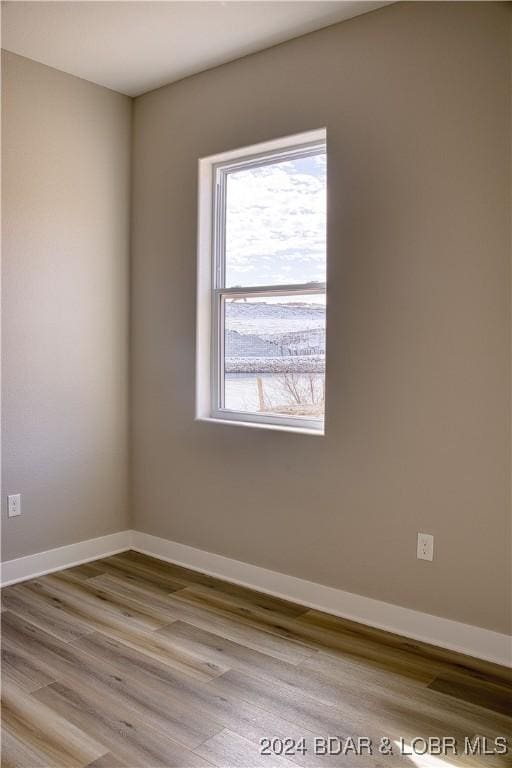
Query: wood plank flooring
{"x": 129, "y": 662}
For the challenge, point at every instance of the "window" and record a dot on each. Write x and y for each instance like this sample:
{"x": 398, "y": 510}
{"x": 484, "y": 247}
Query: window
{"x": 261, "y": 285}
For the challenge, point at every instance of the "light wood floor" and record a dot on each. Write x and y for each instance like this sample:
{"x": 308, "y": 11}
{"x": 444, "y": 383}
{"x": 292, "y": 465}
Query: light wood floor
{"x": 129, "y": 661}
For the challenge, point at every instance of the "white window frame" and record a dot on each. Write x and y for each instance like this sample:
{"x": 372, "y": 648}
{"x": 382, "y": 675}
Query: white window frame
{"x": 211, "y": 293}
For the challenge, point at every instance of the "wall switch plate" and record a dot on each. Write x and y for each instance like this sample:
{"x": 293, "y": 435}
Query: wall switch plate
{"x": 425, "y": 549}
{"x": 14, "y": 505}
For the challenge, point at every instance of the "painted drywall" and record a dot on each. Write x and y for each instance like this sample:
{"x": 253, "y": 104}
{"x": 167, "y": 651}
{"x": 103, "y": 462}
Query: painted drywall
{"x": 65, "y": 249}
{"x": 416, "y": 101}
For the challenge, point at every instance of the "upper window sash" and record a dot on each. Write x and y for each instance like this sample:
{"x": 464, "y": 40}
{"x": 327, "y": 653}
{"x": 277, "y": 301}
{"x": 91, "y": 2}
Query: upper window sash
{"x": 220, "y": 174}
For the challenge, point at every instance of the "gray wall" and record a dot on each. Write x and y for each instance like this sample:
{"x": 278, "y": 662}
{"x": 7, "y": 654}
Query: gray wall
{"x": 65, "y": 197}
{"x": 416, "y": 100}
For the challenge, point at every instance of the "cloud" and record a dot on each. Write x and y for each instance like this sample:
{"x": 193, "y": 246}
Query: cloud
{"x": 275, "y": 223}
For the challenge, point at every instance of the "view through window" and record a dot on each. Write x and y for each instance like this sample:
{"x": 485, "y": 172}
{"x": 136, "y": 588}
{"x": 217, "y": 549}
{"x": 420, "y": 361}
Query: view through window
{"x": 275, "y": 355}
{"x": 270, "y": 299}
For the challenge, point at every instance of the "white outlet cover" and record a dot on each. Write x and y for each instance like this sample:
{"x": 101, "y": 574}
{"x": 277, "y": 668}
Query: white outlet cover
{"x": 14, "y": 505}
{"x": 425, "y": 550}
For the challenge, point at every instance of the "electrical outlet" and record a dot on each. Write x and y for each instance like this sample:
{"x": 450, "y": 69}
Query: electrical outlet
{"x": 425, "y": 549}
{"x": 14, "y": 505}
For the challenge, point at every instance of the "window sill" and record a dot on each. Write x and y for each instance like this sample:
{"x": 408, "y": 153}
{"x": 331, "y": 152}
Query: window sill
{"x": 256, "y": 425}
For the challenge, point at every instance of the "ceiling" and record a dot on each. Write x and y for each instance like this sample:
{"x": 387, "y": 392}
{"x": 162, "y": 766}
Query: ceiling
{"x": 136, "y": 46}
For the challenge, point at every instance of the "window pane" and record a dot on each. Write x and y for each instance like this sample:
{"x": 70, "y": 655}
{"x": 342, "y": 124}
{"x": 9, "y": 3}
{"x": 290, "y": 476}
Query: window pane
{"x": 274, "y": 355}
{"x": 276, "y": 223}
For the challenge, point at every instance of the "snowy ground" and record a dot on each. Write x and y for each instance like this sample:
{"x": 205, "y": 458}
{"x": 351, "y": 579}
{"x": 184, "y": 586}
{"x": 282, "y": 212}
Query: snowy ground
{"x": 241, "y": 391}
{"x": 267, "y": 318}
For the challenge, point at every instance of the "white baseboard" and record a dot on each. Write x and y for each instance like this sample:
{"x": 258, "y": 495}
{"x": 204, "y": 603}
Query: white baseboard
{"x": 23, "y": 568}
{"x": 454, "y": 635}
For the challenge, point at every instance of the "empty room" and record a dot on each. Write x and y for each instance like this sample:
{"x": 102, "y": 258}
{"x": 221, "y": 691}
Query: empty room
{"x": 256, "y": 417}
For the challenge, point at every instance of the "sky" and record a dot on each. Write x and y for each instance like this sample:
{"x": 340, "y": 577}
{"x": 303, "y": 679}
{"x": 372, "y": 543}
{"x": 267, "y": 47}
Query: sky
{"x": 275, "y": 223}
